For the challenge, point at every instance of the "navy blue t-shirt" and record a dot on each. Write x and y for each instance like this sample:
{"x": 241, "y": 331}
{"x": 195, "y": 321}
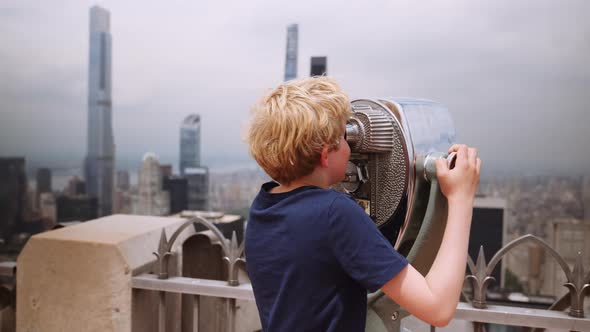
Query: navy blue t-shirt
{"x": 311, "y": 255}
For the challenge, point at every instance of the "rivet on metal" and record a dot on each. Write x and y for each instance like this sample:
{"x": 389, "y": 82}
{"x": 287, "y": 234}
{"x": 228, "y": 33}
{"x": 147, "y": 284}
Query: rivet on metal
{"x": 395, "y": 316}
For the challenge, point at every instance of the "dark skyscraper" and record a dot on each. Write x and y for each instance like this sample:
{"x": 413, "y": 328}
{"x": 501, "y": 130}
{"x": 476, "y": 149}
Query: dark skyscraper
{"x": 198, "y": 188}
{"x": 75, "y": 187}
{"x": 488, "y": 230}
{"x": 100, "y": 156}
{"x": 43, "y": 180}
{"x": 319, "y": 66}
{"x": 13, "y": 194}
{"x": 177, "y": 188}
{"x": 166, "y": 170}
{"x": 76, "y": 208}
{"x": 291, "y": 54}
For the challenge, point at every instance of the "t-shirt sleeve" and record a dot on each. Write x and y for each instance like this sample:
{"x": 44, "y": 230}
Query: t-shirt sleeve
{"x": 360, "y": 248}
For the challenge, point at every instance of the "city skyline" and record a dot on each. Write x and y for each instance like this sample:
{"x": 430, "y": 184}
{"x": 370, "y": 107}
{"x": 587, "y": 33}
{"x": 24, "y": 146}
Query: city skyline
{"x": 513, "y": 75}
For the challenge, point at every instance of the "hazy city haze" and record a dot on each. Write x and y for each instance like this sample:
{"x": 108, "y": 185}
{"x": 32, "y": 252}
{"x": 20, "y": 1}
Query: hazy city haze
{"x": 514, "y": 75}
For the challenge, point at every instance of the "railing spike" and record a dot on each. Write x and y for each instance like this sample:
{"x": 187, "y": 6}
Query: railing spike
{"x": 577, "y": 286}
{"x": 163, "y": 241}
{"x": 162, "y": 256}
{"x": 480, "y": 264}
{"x": 234, "y": 239}
{"x": 578, "y": 273}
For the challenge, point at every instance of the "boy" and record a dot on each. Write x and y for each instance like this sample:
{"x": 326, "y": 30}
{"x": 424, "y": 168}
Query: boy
{"x": 311, "y": 252}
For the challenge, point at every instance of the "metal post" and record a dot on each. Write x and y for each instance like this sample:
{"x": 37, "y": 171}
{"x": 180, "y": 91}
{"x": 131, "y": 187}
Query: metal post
{"x": 231, "y": 315}
{"x": 190, "y": 312}
{"x": 162, "y": 312}
{"x": 479, "y": 327}
{"x": 196, "y": 303}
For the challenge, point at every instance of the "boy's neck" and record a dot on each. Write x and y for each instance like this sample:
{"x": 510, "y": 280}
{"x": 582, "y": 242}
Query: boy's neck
{"x": 314, "y": 179}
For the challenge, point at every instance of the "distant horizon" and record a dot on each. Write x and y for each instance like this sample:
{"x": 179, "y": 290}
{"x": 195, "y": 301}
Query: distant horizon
{"x": 225, "y": 165}
{"x": 132, "y": 163}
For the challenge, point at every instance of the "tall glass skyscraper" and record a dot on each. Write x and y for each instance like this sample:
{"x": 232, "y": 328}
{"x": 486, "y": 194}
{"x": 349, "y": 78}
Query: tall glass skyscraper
{"x": 291, "y": 57}
{"x": 196, "y": 175}
{"x": 100, "y": 155}
{"x": 190, "y": 143}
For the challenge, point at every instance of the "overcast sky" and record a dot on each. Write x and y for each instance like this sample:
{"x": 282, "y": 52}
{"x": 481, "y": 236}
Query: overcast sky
{"x": 515, "y": 75}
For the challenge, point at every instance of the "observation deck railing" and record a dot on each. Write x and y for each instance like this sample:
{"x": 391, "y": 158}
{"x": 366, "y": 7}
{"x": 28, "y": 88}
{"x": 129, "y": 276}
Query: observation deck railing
{"x": 476, "y": 311}
{"x": 154, "y": 293}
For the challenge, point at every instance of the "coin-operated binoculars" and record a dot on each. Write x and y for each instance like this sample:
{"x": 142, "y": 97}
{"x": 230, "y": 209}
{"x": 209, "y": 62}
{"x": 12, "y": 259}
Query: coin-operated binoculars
{"x": 391, "y": 173}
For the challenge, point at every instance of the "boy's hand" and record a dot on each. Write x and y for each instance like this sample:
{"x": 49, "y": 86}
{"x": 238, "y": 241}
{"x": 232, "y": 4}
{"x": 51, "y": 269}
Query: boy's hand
{"x": 459, "y": 183}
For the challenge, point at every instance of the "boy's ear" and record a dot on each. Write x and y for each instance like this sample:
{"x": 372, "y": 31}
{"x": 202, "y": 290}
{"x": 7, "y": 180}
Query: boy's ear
{"x": 324, "y": 157}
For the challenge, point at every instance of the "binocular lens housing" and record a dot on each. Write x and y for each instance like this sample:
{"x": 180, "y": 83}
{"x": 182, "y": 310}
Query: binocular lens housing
{"x": 386, "y": 138}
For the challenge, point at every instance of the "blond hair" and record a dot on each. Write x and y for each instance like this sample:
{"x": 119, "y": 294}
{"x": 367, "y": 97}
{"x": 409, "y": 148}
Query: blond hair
{"x": 291, "y": 125}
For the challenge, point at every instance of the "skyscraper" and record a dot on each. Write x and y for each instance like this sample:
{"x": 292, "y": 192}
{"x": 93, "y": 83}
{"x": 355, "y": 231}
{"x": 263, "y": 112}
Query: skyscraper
{"x": 76, "y": 208}
{"x": 197, "y": 188}
{"x": 190, "y": 163}
{"x": 100, "y": 155}
{"x": 489, "y": 229}
{"x": 43, "y": 180}
{"x": 190, "y": 143}
{"x": 75, "y": 187}
{"x": 177, "y": 188}
{"x": 291, "y": 55}
{"x": 319, "y": 66}
{"x": 151, "y": 199}
{"x": 48, "y": 208}
{"x": 13, "y": 194}
{"x": 568, "y": 236}
{"x": 166, "y": 170}
{"x": 123, "y": 180}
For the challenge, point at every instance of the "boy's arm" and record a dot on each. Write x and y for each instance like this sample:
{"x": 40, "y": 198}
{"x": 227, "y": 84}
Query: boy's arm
{"x": 434, "y": 298}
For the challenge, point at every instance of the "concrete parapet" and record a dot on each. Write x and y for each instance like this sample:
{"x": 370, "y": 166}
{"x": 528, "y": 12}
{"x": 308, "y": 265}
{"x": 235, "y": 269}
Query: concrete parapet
{"x": 78, "y": 278}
